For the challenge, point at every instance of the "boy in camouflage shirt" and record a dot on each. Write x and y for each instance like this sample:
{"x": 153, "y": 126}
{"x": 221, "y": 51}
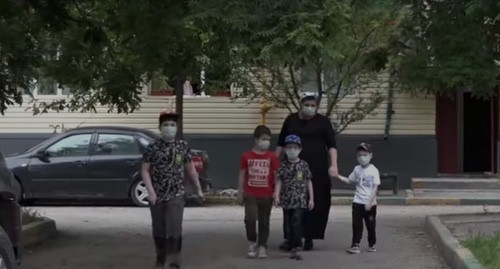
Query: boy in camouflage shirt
{"x": 294, "y": 192}
{"x": 164, "y": 163}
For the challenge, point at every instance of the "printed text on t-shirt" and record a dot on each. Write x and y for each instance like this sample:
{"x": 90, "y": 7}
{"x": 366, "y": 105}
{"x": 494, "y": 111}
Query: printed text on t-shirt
{"x": 258, "y": 172}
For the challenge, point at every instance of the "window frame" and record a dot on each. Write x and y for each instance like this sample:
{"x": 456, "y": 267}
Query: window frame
{"x": 91, "y": 142}
{"x": 94, "y": 151}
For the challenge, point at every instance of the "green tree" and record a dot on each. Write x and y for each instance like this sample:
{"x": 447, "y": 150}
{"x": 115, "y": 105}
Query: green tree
{"x": 334, "y": 47}
{"x": 451, "y": 45}
{"x": 102, "y": 50}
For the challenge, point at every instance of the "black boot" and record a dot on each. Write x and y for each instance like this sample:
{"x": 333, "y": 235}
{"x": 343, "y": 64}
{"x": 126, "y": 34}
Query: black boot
{"x": 161, "y": 254}
{"x": 308, "y": 244}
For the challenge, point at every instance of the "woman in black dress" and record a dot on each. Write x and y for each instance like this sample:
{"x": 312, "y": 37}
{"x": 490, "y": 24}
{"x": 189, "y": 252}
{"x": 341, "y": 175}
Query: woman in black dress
{"x": 319, "y": 150}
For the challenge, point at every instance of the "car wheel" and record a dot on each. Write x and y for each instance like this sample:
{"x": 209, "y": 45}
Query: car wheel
{"x": 139, "y": 194}
{"x": 7, "y": 258}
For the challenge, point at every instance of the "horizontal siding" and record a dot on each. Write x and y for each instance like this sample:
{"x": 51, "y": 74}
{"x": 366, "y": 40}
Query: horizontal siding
{"x": 220, "y": 115}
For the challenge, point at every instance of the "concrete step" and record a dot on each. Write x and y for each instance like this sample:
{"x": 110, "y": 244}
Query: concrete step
{"x": 455, "y": 183}
{"x": 455, "y": 193}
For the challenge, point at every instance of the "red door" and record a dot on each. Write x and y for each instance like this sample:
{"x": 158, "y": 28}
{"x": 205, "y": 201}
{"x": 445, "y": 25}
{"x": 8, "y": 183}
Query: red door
{"x": 447, "y": 134}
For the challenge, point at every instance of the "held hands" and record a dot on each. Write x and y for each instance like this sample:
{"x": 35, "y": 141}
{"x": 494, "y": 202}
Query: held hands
{"x": 368, "y": 207}
{"x": 277, "y": 200}
{"x": 343, "y": 179}
{"x": 333, "y": 171}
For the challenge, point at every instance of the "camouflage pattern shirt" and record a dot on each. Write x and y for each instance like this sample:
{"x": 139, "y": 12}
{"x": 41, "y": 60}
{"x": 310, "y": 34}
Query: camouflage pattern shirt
{"x": 167, "y": 161}
{"x": 294, "y": 179}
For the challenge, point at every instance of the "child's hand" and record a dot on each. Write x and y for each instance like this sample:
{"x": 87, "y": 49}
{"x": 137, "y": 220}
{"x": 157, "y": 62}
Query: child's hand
{"x": 239, "y": 198}
{"x": 311, "y": 204}
{"x": 368, "y": 207}
{"x": 277, "y": 200}
{"x": 152, "y": 198}
{"x": 343, "y": 179}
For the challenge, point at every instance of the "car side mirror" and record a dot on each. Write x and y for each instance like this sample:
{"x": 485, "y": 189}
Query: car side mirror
{"x": 42, "y": 155}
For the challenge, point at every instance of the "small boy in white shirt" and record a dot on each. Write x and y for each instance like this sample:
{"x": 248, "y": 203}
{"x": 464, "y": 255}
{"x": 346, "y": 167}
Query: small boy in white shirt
{"x": 364, "y": 207}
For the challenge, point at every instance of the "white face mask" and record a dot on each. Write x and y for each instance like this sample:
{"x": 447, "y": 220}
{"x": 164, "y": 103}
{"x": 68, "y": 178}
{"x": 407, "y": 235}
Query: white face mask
{"x": 308, "y": 111}
{"x": 263, "y": 144}
{"x": 364, "y": 160}
{"x": 168, "y": 132}
{"x": 292, "y": 154}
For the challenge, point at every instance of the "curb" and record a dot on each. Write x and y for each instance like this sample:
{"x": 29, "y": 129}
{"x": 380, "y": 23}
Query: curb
{"x": 38, "y": 231}
{"x": 450, "y": 249}
{"x": 409, "y": 201}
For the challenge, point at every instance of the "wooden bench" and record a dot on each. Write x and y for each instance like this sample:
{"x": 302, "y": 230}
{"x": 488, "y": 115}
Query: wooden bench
{"x": 389, "y": 181}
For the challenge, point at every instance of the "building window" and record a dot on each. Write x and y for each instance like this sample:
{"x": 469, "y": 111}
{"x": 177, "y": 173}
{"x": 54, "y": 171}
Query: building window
{"x": 49, "y": 87}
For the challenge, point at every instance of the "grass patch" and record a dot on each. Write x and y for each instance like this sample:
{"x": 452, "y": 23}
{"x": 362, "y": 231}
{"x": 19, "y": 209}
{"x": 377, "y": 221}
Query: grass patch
{"x": 30, "y": 215}
{"x": 485, "y": 249}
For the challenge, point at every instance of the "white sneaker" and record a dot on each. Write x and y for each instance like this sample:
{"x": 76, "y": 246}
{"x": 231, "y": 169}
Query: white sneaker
{"x": 354, "y": 250}
{"x": 252, "y": 250}
{"x": 262, "y": 252}
{"x": 372, "y": 249}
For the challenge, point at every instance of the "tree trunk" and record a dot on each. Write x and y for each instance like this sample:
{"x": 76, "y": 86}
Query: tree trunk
{"x": 179, "y": 103}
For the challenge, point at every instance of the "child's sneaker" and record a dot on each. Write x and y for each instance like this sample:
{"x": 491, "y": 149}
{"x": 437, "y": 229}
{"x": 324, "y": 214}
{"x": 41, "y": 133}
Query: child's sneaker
{"x": 262, "y": 252}
{"x": 354, "y": 250}
{"x": 372, "y": 249}
{"x": 252, "y": 250}
{"x": 295, "y": 254}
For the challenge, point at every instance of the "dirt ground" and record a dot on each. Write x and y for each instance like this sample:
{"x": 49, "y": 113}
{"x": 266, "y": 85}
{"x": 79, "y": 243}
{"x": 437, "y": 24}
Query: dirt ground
{"x": 120, "y": 237}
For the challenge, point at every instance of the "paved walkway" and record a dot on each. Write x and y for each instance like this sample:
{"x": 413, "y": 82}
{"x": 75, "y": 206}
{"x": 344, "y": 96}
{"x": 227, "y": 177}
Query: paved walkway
{"x": 119, "y": 237}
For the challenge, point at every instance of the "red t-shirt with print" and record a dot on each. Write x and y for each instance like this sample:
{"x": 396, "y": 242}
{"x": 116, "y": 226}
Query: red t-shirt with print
{"x": 259, "y": 173}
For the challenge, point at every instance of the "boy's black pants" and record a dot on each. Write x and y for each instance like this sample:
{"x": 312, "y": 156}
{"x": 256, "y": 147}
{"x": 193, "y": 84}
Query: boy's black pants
{"x": 293, "y": 226}
{"x": 257, "y": 210}
{"x": 359, "y": 214}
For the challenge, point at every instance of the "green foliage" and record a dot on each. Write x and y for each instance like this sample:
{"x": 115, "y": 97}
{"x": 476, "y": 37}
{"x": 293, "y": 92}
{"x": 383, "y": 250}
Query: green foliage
{"x": 485, "y": 249}
{"x": 451, "y": 45}
{"x": 339, "y": 42}
{"x": 103, "y": 51}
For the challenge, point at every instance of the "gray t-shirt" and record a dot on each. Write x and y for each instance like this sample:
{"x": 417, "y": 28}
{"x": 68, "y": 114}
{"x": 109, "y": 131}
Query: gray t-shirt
{"x": 366, "y": 179}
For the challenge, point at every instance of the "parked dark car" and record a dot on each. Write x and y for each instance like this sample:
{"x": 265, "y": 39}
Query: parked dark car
{"x": 10, "y": 220}
{"x": 91, "y": 162}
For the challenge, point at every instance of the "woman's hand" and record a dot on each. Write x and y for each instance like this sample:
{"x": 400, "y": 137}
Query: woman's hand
{"x": 277, "y": 200}
{"x": 333, "y": 171}
{"x": 368, "y": 207}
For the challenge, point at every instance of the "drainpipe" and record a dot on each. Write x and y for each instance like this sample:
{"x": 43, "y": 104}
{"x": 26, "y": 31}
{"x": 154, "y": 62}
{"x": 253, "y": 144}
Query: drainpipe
{"x": 389, "y": 110}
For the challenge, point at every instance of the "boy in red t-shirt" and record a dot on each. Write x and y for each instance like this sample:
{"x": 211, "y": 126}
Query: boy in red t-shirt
{"x": 256, "y": 187}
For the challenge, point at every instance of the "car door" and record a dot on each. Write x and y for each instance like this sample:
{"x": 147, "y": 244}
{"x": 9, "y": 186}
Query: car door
{"x": 62, "y": 172}
{"x": 115, "y": 159}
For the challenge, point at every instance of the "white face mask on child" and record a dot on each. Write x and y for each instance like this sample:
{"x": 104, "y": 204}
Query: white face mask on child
{"x": 168, "y": 132}
{"x": 364, "y": 160}
{"x": 292, "y": 154}
{"x": 263, "y": 144}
